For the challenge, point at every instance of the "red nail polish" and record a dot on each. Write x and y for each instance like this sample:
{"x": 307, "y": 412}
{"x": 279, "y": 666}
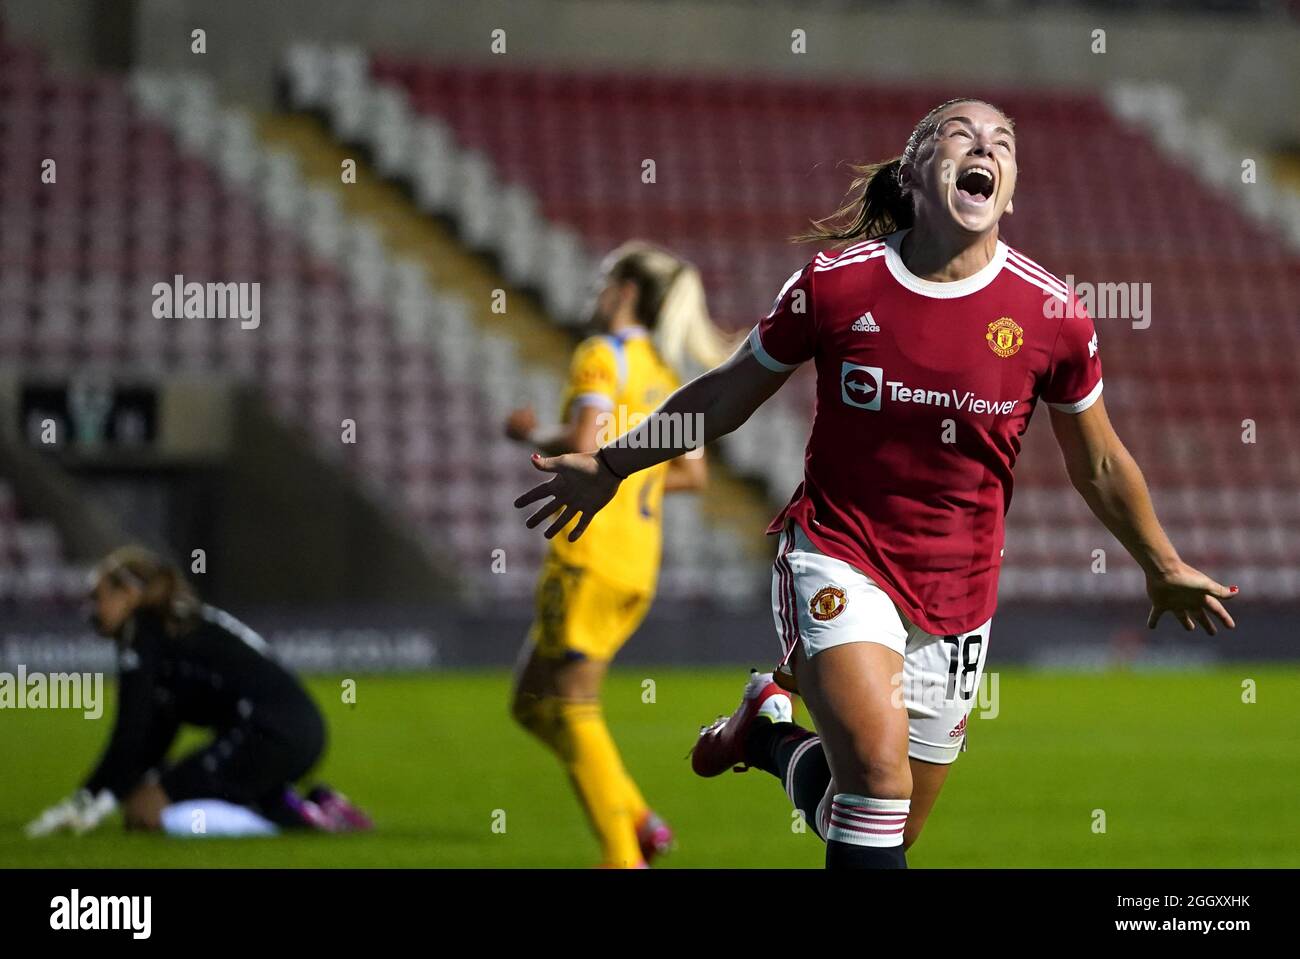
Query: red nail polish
{"x": 1233, "y": 588}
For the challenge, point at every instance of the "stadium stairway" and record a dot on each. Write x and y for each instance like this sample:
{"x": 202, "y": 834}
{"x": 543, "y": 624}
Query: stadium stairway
{"x": 402, "y": 337}
{"x": 135, "y": 201}
{"x": 735, "y": 507}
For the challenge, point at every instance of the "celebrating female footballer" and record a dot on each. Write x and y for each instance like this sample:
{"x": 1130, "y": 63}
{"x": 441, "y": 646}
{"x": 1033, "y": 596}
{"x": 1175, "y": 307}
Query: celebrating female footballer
{"x": 181, "y": 661}
{"x": 592, "y": 595}
{"x": 932, "y": 346}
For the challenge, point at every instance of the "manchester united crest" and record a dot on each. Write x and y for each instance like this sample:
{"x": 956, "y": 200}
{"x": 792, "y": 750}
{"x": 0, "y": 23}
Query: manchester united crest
{"x": 827, "y": 603}
{"x": 1005, "y": 336}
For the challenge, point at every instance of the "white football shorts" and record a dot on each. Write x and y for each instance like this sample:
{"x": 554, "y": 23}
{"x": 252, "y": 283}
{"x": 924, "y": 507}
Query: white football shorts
{"x": 819, "y": 602}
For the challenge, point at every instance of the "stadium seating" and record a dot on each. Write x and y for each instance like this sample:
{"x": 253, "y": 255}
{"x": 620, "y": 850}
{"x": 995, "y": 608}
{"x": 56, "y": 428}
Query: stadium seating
{"x": 155, "y": 179}
{"x": 742, "y": 163}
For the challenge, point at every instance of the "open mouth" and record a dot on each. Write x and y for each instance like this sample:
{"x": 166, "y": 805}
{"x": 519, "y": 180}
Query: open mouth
{"x": 975, "y": 185}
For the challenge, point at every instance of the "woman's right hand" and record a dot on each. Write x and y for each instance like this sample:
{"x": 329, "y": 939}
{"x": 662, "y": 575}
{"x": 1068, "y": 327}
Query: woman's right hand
{"x": 581, "y": 484}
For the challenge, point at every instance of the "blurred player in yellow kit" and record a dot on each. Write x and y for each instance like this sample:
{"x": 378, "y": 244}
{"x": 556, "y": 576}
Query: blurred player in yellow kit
{"x": 652, "y": 328}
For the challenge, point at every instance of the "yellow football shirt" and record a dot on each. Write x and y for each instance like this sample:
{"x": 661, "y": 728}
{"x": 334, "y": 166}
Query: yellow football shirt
{"x": 622, "y": 375}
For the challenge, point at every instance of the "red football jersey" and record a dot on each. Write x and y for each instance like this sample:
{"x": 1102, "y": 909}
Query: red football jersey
{"x": 923, "y": 392}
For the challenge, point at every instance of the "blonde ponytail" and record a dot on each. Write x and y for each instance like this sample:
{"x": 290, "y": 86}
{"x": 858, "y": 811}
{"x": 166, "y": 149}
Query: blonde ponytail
{"x": 671, "y": 304}
{"x": 684, "y": 334}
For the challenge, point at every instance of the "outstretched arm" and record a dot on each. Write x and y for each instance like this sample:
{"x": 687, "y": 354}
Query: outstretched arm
{"x": 710, "y": 406}
{"x": 1108, "y": 479}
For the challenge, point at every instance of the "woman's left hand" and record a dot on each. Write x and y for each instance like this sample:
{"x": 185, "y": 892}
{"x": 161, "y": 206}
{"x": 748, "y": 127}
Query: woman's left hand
{"x": 1191, "y": 596}
{"x": 581, "y": 484}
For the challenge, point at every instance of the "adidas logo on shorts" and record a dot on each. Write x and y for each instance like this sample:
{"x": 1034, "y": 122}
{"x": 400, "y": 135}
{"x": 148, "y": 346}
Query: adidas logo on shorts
{"x": 959, "y": 729}
{"x": 865, "y": 323}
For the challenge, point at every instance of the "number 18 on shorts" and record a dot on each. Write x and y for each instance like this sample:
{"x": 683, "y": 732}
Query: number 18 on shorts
{"x": 819, "y": 602}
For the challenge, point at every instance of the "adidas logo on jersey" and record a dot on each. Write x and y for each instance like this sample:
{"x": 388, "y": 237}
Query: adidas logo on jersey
{"x": 866, "y": 323}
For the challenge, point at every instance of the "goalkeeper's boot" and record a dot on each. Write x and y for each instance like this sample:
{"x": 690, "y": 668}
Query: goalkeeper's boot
{"x": 339, "y": 810}
{"x": 296, "y": 812}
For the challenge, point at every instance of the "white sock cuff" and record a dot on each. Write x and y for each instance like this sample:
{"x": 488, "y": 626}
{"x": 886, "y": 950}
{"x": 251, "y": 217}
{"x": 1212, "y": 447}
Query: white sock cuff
{"x": 866, "y": 821}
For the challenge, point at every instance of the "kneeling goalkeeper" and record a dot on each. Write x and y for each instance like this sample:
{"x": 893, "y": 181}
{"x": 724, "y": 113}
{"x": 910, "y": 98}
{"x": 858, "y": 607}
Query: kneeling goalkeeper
{"x": 183, "y": 662}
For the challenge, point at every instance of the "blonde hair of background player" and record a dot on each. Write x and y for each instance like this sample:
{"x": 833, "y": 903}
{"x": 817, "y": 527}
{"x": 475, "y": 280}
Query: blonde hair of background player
{"x": 670, "y": 304}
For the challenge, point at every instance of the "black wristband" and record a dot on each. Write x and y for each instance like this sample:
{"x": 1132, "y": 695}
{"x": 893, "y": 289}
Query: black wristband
{"x": 600, "y": 456}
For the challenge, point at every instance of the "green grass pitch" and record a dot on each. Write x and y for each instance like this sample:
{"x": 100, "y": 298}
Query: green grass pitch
{"x": 1187, "y": 775}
